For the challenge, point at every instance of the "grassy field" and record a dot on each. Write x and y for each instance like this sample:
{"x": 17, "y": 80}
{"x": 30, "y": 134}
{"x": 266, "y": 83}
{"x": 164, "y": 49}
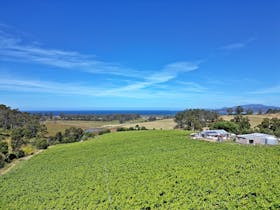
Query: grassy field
{"x": 60, "y": 125}
{"x": 254, "y": 119}
{"x": 145, "y": 170}
{"x": 165, "y": 124}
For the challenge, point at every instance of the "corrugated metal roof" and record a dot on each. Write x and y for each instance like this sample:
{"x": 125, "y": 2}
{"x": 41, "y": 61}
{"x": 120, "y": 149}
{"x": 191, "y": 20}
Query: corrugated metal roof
{"x": 214, "y": 131}
{"x": 254, "y": 135}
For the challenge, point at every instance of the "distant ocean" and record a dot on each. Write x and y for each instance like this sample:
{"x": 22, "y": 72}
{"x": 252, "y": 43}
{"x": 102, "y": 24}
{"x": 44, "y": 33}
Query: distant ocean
{"x": 104, "y": 112}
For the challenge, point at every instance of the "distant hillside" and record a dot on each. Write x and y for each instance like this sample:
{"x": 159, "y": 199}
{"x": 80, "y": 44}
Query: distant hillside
{"x": 254, "y": 107}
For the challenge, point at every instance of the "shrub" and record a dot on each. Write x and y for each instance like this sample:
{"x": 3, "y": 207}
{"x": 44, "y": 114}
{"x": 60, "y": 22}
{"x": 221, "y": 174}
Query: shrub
{"x": 121, "y": 129}
{"x": 88, "y": 135}
{"x": 104, "y": 131}
{"x": 11, "y": 157}
{"x": 4, "y": 149}
{"x": 42, "y": 144}
{"x": 20, "y": 154}
{"x": 226, "y": 125}
{"x": 2, "y": 162}
{"x": 28, "y": 149}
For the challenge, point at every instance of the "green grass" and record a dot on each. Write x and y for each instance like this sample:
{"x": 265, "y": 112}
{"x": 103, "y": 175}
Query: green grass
{"x": 141, "y": 169}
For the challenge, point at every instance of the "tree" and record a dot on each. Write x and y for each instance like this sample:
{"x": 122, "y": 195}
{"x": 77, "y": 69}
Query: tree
{"x": 4, "y": 148}
{"x": 260, "y": 112}
{"x": 228, "y": 126}
{"x": 72, "y": 135}
{"x": 230, "y": 111}
{"x": 249, "y": 111}
{"x": 265, "y": 124}
{"x": 239, "y": 110}
{"x": 42, "y": 144}
{"x": 270, "y": 126}
{"x": 195, "y": 119}
{"x": 2, "y": 162}
{"x": 277, "y": 132}
{"x": 59, "y": 136}
{"x": 243, "y": 123}
{"x": 17, "y": 138}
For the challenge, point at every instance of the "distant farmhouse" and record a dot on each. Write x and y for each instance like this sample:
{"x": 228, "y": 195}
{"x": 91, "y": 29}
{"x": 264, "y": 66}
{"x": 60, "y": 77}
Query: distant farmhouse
{"x": 257, "y": 138}
{"x": 213, "y": 135}
{"x": 222, "y": 135}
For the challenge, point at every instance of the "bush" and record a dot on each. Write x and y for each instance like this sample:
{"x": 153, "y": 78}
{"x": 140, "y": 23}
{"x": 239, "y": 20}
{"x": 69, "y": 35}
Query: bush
{"x": 2, "y": 162}
{"x": 121, "y": 129}
{"x": 88, "y": 135}
{"x": 20, "y": 154}
{"x": 277, "y": 132}
{"x": 28, "y": 149}
{"x": 42, "y": 144}
{"x": 72, "y": 135}
{"x": 228, "y": 126}
{"x": 4, "y": 149}
{"x": 104, "y": 131}
{"x": 11, "y": 157}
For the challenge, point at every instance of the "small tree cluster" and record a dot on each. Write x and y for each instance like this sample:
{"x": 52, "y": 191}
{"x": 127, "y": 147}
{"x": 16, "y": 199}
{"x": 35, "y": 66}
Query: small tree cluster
{"x": 228, "y": 126}
{"x": 238, "y": 125}
{"x": 270, "y": 126}
{"x": 195, "y": 119}
{"x": 70, "y": 135}
{"x": 137, "y": 127}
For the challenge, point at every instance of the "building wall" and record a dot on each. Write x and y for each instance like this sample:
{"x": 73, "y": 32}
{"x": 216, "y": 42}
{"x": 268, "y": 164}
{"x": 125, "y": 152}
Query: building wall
{"x": 257, "y": 140}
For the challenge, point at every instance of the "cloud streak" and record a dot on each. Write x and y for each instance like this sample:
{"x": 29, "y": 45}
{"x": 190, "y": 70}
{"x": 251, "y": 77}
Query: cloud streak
{"x": 15, "y": 48}
{"x": 270, "y": 90}
{"x": 237, "y": 45}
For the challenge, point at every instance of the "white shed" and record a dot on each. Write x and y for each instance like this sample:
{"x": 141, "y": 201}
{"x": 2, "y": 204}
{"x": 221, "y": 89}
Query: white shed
{"x": 257, "y": 138}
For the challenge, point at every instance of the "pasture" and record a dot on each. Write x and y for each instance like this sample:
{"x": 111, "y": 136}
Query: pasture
{"x": 145, "y": 170}
{"x": 254, "y": 119}
{"x": 54, "y": 126}
{"x": 60, "y": 125}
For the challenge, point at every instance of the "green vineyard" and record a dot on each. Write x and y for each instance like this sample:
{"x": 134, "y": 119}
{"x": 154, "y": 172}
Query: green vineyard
{"x": 145, "y": 170}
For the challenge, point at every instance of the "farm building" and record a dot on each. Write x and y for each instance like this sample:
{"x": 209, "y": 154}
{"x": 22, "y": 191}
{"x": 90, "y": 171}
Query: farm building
{"x": 256, "y": 138}
{"x": 216, "y": 135}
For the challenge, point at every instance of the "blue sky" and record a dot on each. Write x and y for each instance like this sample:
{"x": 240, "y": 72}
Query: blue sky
{"x": 148, "y": 54}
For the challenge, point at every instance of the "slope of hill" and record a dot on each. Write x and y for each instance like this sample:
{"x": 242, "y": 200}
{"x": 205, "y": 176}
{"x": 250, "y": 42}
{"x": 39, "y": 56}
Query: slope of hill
{"x": 145, "y": 170}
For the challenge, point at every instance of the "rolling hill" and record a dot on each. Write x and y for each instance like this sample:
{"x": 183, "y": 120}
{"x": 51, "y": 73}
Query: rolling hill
{"x": 145, "y": 170}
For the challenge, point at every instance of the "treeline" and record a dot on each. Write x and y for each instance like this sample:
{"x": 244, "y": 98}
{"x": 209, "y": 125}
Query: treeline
{"x": 270, "y": 126}
{"x": 13, "y": 118}
{"x": 197, "y": 119}
{"x": 136, "y": 128}
{"x": 273, "y": 111}
{"x": 21, "y": 129}
{"x": 122, "y": 118}
{"x": 70, "y": 135}
{"x": 240, "y": 110}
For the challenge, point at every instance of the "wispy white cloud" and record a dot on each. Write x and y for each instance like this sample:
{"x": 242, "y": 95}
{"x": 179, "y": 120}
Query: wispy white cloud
{"x": 269, "y": 90}
{"x": 15, "y": 48}
{"x": 192, "y": 87}
{"x": 237, "y": 45}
